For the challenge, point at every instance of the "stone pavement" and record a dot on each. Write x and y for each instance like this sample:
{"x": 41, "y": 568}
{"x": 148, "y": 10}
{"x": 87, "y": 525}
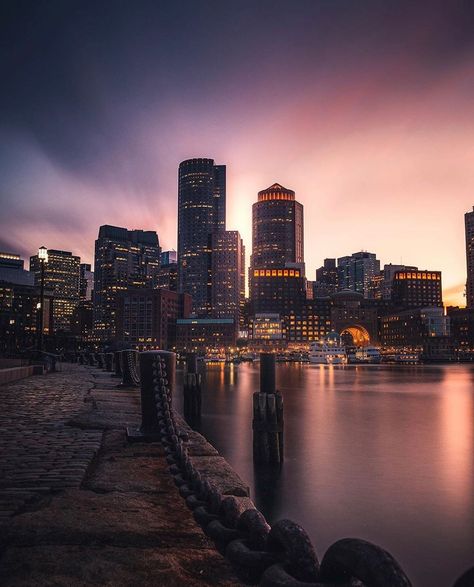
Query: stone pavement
{"x": 125, "y": 523}
{"x": 39, "y": 453}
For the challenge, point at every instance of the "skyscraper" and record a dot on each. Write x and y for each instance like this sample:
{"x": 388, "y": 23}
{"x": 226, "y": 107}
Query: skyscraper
{"x": 168, "y": 274}
{"x": 201, "y": 212}
{"x": 277, "y": 281}
{"x": 228, "y": 275}
{"x": 469, "y": 225}
{"x": 357, "y": 271}
{"x": 86, "y": 283}
{"x": 277, "y": 228}
{"x": 326, "y": 279}
{"x": 123, "y": 259}
{"x": 62, "y": 277}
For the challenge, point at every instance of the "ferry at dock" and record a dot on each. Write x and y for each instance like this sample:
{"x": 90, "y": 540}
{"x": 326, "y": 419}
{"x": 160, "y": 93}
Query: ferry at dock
{"x": 328, "y": 351}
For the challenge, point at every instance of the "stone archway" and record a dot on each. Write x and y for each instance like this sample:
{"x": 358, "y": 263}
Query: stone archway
{"x": 360, "y": 335}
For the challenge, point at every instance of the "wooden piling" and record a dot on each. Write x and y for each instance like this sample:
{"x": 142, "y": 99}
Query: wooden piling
{"x": 192, "y": 391}
{"x": 267, "y": 415}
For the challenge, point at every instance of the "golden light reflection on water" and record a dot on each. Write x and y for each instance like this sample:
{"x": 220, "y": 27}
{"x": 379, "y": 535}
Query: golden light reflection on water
{"x": 457, "y": 438}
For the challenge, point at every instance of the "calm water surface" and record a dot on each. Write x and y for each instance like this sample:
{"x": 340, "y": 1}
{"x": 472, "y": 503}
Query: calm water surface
{"x": 375, "y": 452}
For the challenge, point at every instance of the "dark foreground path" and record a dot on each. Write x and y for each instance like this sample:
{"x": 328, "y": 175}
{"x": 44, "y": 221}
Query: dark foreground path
{"x": 82, "y": 507}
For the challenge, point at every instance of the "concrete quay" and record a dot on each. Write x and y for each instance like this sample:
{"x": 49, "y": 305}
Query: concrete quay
{"x": 81, "y": 506}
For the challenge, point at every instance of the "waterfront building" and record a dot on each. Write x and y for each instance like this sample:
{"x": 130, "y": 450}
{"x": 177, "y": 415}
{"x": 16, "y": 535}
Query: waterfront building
{"x": 416, "y": 289}
{"x": 355, "y": 317}
{"x": 279, "y": 290}
{"x": 146, "y": 318}
{"x": 410, "y": 329}
{"x": 167, "y": 277}
{"x": 206, "y": 335}
{"x": 277, "y": 280}
{"x": 123, "y": 259}
{"x": 266, "y": 327}
{"x": 12, "y": 270}
{"x": 62, "y": 277}
{"x": 356, "y": 272}
{"x": 86, "y": 282}
{"x": 19, "y": 316}
{"x": 462, "y": 332}
{"x": 201, "y": 212}
{"x": 326, "y": 282}
{"x": 310, "y": 322}
{"x": 389, "y": 271}
{"x": 228, "y": 275}
{"x": 469, "y": 231}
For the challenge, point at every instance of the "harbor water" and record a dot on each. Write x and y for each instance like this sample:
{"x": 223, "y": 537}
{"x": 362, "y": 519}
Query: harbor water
{"x": 383, "y": 453}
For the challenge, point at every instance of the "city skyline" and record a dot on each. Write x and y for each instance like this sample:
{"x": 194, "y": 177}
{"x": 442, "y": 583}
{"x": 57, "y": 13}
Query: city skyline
{"x": 365, "y": 111}
{"x": 452, "y": 296}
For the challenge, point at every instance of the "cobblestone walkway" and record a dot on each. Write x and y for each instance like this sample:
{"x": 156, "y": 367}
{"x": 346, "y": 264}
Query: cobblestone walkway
{"x": 123, "y": 523}
{"x": 39, "y": 452}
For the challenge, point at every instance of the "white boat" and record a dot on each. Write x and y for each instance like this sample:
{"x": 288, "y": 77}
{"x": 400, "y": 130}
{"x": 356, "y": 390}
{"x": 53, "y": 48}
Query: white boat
{"x": 368, "y": 354}
{"x": 329, "y": 351}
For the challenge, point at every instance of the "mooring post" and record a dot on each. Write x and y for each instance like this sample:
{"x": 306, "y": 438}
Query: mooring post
{"x": 157, "y": 376}
{"x": 192, "y": 391}
{"x": 129, "y": 368}
{"x": 267, "y": 415}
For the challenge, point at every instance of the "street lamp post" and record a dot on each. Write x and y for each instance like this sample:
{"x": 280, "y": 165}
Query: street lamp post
{"x": 43, "y": 257}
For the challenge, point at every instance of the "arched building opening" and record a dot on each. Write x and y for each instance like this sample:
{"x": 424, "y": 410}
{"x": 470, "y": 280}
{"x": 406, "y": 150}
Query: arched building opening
{"x": 355, "y": 335}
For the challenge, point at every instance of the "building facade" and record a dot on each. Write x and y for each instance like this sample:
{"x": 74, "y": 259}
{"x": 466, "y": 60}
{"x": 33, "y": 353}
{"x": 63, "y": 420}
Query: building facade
{"x": 469, "y": 231}
{"x": 201, "y": 212}
{"x": 168, "y": 274}
{"x": 356, "y": 272}
{"x": 410, "y": 329}
{"x": 12, "y": 270}
{"x": 20, "y": 317}
{"x": 462, "y": 332}
{"x": 62, "y": 277}
{"x": 146, "y": 318}
{"x": 86, "y": 282}
{"x": 207, "y": 336}
{"x": 123, "y": 259}
{"x": 326, "y": 282}
{"x": 228, "y": 275}
{"x": 277, "y": 228}
{"x": 416, "y": 289}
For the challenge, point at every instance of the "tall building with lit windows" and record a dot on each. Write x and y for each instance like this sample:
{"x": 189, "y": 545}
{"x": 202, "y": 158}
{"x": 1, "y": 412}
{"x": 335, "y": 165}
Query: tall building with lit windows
{"x": 277, "y": 228}
{"x": 416, "y": 289}
{"x": 228, "y": 275}
{"x": 469, "y": 226}
{"x": 62, "y": 277}
{"x": 123, "y": 259}
{"x": 277, "y": 280}
{"x": 201, "y": 213}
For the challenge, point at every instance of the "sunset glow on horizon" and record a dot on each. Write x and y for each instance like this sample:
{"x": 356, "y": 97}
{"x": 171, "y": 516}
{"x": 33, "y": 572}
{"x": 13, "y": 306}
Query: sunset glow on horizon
{"x": 367, "y": 115}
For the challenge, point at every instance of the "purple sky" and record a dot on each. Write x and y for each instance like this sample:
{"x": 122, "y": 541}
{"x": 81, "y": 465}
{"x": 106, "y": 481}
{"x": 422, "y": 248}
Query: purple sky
{"x": 365, "y": 109}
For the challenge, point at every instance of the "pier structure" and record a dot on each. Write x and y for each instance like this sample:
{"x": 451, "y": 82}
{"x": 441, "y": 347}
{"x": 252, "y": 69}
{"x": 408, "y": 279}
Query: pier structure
{"x": 75, "y": 492}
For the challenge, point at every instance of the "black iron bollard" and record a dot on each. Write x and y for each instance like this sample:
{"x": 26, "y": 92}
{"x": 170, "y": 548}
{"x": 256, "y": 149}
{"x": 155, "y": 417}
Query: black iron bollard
{"x": 157, "y": 375}
{"x": 117, "y": 364}
{"x": 267, "y": 415}
{"x": 98, "y": 359}
{"x": 109, "y": 360}
{"x": 192, "y": 391}
{"x": 129, "y": 368}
